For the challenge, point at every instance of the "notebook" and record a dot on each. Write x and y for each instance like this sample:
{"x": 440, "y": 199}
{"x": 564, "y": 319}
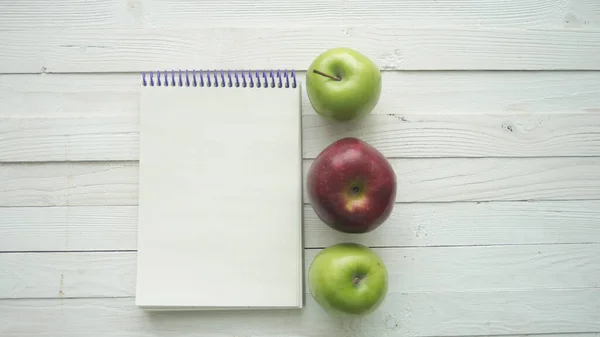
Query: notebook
{"x": 220, "y": 191}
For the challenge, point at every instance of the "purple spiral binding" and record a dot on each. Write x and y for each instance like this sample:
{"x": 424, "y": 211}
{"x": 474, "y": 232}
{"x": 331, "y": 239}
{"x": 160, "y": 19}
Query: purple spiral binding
{"x": 220, "y": 78}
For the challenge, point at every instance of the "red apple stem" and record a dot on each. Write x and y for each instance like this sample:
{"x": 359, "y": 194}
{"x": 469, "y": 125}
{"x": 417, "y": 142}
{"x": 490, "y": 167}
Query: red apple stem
{"x": 335, "y": 78}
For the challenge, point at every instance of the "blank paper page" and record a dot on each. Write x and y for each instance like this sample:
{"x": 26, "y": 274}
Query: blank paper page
{"x": 220, "y": 198}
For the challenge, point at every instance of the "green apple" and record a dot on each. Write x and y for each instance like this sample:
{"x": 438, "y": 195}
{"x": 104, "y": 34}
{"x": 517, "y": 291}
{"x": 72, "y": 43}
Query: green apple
{"x": 343, "y": 84}
{"x": 348, "y": 278}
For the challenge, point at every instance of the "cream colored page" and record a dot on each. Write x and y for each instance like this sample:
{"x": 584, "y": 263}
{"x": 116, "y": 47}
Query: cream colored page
{"x": 220, "y": 197}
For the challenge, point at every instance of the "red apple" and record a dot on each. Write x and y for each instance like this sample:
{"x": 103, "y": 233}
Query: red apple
{"x": 351, "y": 186}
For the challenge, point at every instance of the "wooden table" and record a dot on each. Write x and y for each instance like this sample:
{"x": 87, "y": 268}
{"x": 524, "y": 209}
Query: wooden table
{"x": 490, "y": 115}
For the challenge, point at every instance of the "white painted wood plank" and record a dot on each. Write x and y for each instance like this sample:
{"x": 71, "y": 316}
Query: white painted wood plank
{"x": 462, "y": 93}
{"x": 420, "y": 314}
{"x": 419, "y": 180}
{"x": 58, "y": 275}
{"x": 391, "y": 47}
{"x": 68, "y": 228}
{"x": 65, "y": 184}
{"x": 488, "y": 223}
{"x": 443, "y": 269}
{"x": 396, "y": 136}
{"x": 441, "y": 135}
{"x": 34, "y": 14}
{"x": 583, "y": 13}
{"x": 77, "y": 14}
{"x": 338, "y": 12}
{"x": 410, "y": 225}
{"x": 69, "y": 139}
{"x": 69, "y": 95}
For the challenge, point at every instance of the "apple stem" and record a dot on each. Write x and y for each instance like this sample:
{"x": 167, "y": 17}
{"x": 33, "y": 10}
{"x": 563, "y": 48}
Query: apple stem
{"x": 356, "y": 280}
{"x": 335, "y": 78}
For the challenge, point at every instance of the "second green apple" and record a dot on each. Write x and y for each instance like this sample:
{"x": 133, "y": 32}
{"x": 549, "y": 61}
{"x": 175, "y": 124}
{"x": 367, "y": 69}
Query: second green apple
{"x": 348, "y": 278}
{"x": 343, "y": 84}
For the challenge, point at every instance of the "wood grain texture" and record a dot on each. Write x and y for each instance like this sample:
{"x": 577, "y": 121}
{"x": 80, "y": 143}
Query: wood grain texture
{"x": 391, "y": 47}
{"x": 57, "y": 275}
{"x": 68, "y": 228}
{"x": 410, "y": 225}
{"x": 69, "y": 139}
{"x": 70, "y": 95}
{"x": 418, "y": 314}
{"x": 583, "y": 13}
{"x": 488, "y": 223}
{"x": 38, "y": 14}
{"x": 395, "y": 135}
{"x": 440, "y": 135}
{"x": 419, "y": 180}
{"x": 453, "y": 93}
{"x": 442, "y": 269}
{"x": 66, "y": 184}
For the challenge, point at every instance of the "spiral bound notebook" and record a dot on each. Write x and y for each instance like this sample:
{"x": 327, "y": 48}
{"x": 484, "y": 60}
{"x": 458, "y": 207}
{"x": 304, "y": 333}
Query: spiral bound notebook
{"x": 220, "y": 191}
